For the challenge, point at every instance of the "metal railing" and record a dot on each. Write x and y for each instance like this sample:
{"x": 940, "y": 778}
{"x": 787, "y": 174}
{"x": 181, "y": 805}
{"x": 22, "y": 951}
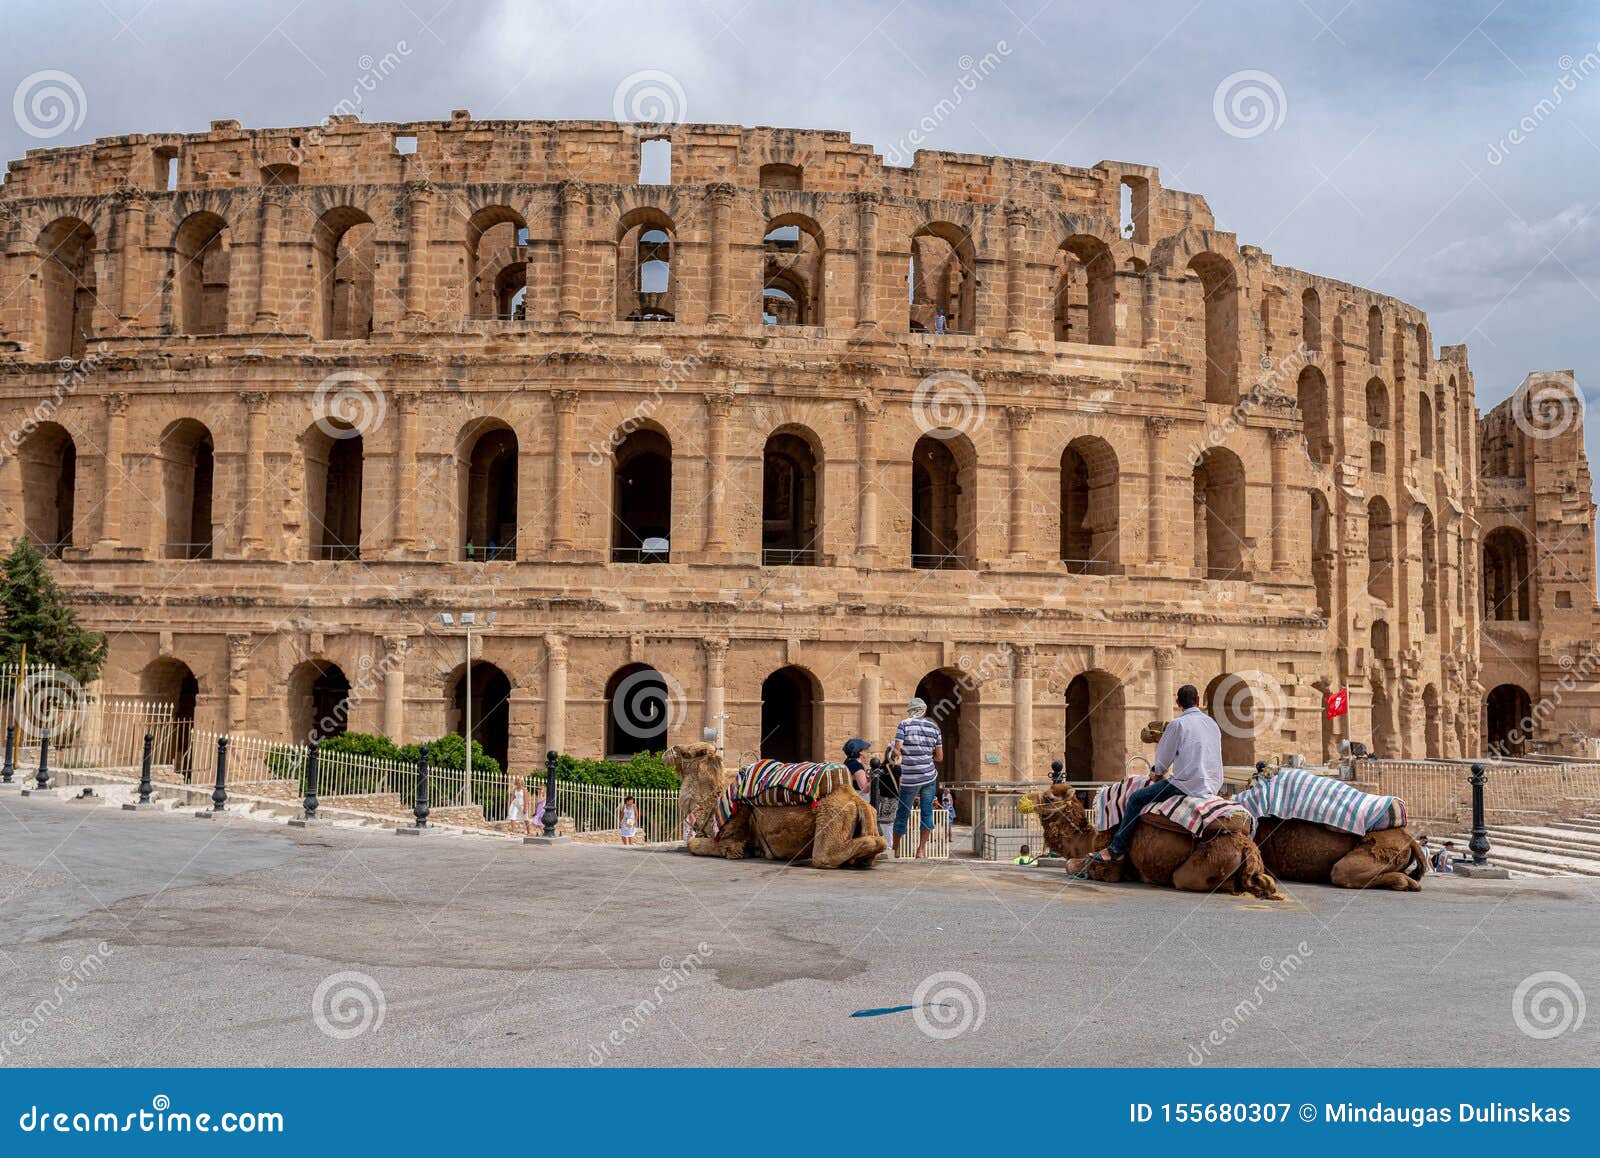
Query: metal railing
{"x": 339, "y": 552}
{"x": 180, "y": 550}
{"x": 938, "y": 839}
{"x": 493, "y": 553}
{"x": 1091, "y": 567}
{"x": 786, "y": 557}
{"x": 944, "y": 562}
{"x": 593, "y": 808}
{"x": 639, "y": 555}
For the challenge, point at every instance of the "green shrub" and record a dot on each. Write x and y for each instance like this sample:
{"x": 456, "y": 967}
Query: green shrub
{"x": 643, "y": 770}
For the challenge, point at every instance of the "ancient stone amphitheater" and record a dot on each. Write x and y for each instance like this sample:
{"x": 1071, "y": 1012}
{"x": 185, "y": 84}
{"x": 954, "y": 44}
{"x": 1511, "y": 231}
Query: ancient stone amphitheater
{"x": 743, "y": 429}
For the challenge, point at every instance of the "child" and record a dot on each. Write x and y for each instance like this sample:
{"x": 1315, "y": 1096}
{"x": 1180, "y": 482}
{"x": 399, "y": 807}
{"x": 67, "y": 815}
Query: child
{"x": 1025, "y": 859}
{"x": 628, "y": 820}
{"x": 517, "y": 806}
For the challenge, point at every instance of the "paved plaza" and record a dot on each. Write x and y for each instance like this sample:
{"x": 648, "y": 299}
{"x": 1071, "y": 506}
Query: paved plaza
{"x": 159, "y": 939}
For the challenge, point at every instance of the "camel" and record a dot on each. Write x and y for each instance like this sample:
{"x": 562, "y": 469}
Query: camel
{"x": 1161, "y": 853}
{"x": 840, "y": 831}
{"x": 1300, "y": 850}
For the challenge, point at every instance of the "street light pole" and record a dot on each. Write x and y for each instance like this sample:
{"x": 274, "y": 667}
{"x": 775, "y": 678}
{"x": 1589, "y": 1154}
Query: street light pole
{"x": 466, "y": 771}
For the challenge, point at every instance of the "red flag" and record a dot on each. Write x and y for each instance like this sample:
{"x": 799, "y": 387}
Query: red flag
{"x": 1337, "y": 703}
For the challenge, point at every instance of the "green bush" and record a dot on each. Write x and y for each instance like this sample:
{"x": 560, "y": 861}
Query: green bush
{"x": 643, "y": 770}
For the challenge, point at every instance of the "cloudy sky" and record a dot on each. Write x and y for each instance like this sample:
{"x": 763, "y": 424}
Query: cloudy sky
{"x": 1447, "y": 153}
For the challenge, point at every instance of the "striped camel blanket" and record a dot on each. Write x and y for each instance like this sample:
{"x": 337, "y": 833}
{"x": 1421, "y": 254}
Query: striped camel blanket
{"x": 774, "y": 782}
{"x": 1194, "y": 813}
{"x": 1299, "y": 794}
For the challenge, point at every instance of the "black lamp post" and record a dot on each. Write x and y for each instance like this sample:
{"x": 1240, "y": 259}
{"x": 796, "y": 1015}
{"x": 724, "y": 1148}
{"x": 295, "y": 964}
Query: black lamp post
{"x": 11, "y": 740}
{"x": 1479, "y": 844}
{"x": 551, "y": 813}
{"x": 219, "y": 794}
{"x": 311, "y": 777}
{"x": 144, "y": 768}
{"x": 1058, "y": 772}
{"x": 420, "y": 810}
{"x": 42, "y": 778}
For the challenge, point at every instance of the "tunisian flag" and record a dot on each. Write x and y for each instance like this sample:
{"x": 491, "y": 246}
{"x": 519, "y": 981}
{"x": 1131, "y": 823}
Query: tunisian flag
{"x": 1337, "y": 703}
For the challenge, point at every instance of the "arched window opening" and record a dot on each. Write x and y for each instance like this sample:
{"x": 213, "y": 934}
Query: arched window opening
{"x": 334, "y": 461}
{"x": 1380, "y": 550}
{"x": 1090, "y": 507}
{"x": 1424, "y": 351}
{"x": 1311, "y": 320}
{"x": 1220, "y": 289}
{"x": 1430, "y": 574}
{"x": 67, "y": 290}
{"x": 1086, "y": 297}
{"x": 497, "y": 264}
{"x": 792, "y": 272}
{"x": 1312, "y": 394}
{"x": 201, "y": 253}
{"x": 319, "y": 701}
{"x": 1219, "y": 515}
{"x": 188, "y": 469}
{"x": 1377, "y": 425}
{"x": 1096, "y": 740}
{"x": 943, "y": 280}
{"x": 49, "y": 462}
{"x": 790, "y": 500}
{"x": 1231, "y": 702}
{"x": 1380, "y": 642}
{"x": 1322, "y": 554}
{"x": 169, "y": 681}
{"x": 646, "y": 286}
{"x": 1425, "y": 425}
{"x": 1507, "y": 576}
{"x": 490, "y": 707}
{"x": 638, "y": 711}
{"x": 489, "y": 495}
{"x": 1509, "y": 712}
{"x": 943, "y": 502}
{"x": 345, "y": 246}
{"x": 641, "y": 499}
{"x": 790, "y": 721}
{"x": 1374, "y": 336}
{"x": 952, "y": 699}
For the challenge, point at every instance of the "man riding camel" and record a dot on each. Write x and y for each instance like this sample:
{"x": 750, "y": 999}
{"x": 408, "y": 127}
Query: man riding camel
{"x": 1188, "y": 763}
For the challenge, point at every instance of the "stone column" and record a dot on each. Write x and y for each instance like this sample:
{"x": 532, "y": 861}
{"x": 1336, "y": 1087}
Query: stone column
{"x": 867, "y": 411}
{"x": 419, "y": 203}
{"x": 115, "y": 481}
{"x": 555, "y": 692}
{"x": 1280, "y": 437}
{"x": 11, "y": 496}
{"x": 238, "y": 682}
{"x": 1018, "y": 420}
{"x": 255, "y": 470}
{"x": 573, "y": 202}
{"x": 716, "y": 657}
{"x": 394, "y": 687}
{"x": 131, "y": 272}
{"x": 1166, "y": 661}
{"x": 720, "y": 197}
{"x": 870, "y": 719}
{"x": 403, "y": 495}
{"x": 867, "y": 259}
{"x": 563, "y": 404}
{"x": 266, "y": 260}
{"x": 1016, "y": 272}
{"x": 1022, "y": 710}
{"x": 1155, "y": 436}
{"x": 717, "y": 407}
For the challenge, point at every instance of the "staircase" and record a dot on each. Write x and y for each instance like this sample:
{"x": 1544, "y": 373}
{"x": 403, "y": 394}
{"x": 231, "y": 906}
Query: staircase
{"x": 1561, "y": 848}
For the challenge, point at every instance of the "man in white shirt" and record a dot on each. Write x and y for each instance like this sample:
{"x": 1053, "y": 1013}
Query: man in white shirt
{"x": 1188, "y": 762}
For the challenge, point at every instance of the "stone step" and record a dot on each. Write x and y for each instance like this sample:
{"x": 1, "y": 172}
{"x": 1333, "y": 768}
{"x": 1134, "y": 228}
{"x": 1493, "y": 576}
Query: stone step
{"x": 1511, "y": 855}
{"x": 1580, "y": 844}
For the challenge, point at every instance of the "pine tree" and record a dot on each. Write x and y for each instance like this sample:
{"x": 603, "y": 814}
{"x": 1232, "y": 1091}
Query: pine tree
{"x": 32, "y": 613}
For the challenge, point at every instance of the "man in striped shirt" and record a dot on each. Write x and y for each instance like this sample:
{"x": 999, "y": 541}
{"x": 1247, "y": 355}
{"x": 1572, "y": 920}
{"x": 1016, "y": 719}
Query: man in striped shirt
{"x": 919, "y": 747}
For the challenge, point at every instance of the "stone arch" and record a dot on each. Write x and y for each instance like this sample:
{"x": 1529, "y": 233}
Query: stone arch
{"x": 1220, "y": 288}
{"x": 168, "y": 680}
{"x": 67, "y": 288}
{"x": 1231, "y": 701}
{"x": 943, "y": 279}
{"x": 486, "y": 458}
{"x": 188, "y": 482}
{"x": 1425, "y": 425}
{"x": 1380, "y": 550}
{"x": 1374, "y": 335}
{"x": 334, "y": 452}
{"x": 647, "y": 283}
{"x": 490, "y": 690}
{"x": 1507, "y": 575}
{"x": 319, "y": 701}
{"x": 1322, "y": 553}
{"x": 1085, "y": 292}
{"x": 793, "y": 253}
{"x": 1219, "y": 515}
{"x": 791, "y": 498}
{"x": 202, "y": 260}
{"x": 638, "y": 711}
{"x": 1311, "y": 392}
{"x": 496, "y": 242}
{"x": 1311, "y": 320}
{"x": 1090, "y": 507}
{"x": 1378, "y": 421}
{"x": 49, "y": 463}
{"x": 1508, "y": 719}
{"x": 944, "y": 497}
{"x": 641, "y": 496}
{"x": 344, "y": 245}
{"x": 791, "y": 716}
{"x": 1095, "y": 746}
{"x": 953, "y": 703}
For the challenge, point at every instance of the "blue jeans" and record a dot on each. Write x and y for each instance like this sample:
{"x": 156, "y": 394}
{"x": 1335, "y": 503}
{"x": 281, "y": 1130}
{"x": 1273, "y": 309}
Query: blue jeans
{"x": 920, "y": 797}
{"x": 1153, "y": 793}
